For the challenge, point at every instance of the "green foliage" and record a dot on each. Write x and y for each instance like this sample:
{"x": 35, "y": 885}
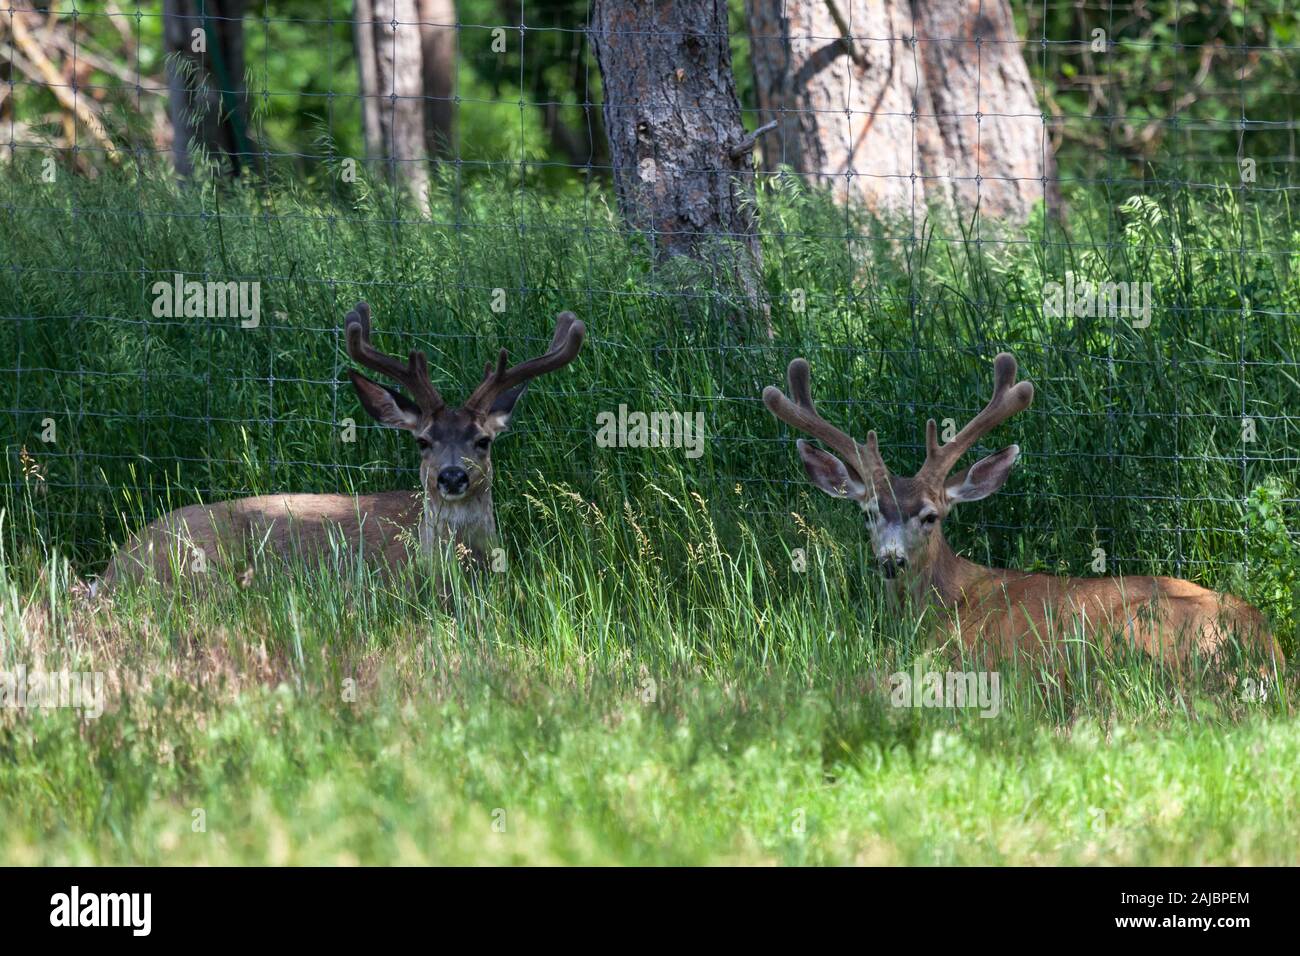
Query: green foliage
{"x": 1134, "y": 445}
{"x": 1272, "y": 579}
{"x": 534, "y": 776}
{"x": 1171, "y": 84}
{"x": 653, "y": 661}
{"x": 1163, "y": 81}
{"x": 635, "y": 692}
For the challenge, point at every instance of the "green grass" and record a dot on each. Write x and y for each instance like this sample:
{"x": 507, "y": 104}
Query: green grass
{"x": 603, "y": 725}
{"x": 651, "y": 680}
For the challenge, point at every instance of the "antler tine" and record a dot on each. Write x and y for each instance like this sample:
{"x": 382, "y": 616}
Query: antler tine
{"x": 802, "y": 414}
{"x": 1008, "y": 398}
{"x": 564, "y": 347}
{"x": 414, "y": 374}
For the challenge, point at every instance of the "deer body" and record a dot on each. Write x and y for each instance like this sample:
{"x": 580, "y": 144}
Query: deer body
{"x": 452, "y": 514}
{"x": 385, "y": 529}
{"x": 1000, "y": 613}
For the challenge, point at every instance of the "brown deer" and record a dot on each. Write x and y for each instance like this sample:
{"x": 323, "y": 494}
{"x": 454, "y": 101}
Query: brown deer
{"x": 1000, "y": 614}
{"x": 452, "y": 513}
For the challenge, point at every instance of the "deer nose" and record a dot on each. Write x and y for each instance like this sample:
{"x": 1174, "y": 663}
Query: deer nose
{"x": 890, "y": 566}
{"x": 453, "y": 480}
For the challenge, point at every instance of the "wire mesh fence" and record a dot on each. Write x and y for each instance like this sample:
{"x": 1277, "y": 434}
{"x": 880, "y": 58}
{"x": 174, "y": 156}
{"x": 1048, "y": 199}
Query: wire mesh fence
{"x": 1135, "y": 251}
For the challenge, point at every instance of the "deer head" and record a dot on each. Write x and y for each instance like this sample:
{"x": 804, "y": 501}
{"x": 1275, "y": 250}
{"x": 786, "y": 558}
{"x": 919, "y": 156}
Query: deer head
{"x": 903, "y": 515}
{"x": 455, "y": 443}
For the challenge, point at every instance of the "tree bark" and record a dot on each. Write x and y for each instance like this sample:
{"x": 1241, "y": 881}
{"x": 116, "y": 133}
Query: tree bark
{"x": 681, "y": 171}
{"x": 950, "y": 121}
{"x": 391, "y": 62}
{"x": 207, "y": 100}
{"x": 438, "y": 56}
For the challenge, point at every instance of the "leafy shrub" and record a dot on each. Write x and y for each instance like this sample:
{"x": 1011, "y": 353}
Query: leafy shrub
{"x": 1271, "y": 579}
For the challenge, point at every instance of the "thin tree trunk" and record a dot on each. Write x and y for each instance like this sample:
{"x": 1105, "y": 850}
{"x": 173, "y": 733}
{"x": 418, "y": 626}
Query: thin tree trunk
{"x": 207, "y": 100}
{"x": 438, "y": 54}
{"x": 390, "y": 60}
{"x": 950, "y": 121}
{"x": 593, "y": 125}
{"x": 580, "y": 147}
{"x": 683, "y": 172}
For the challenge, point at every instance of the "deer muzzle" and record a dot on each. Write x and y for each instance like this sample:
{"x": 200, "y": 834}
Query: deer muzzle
{"x": 453, "y": 482}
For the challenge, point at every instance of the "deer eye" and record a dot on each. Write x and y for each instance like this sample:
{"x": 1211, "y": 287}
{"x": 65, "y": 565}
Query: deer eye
{"x": 929, "y": 518}
{"x": 424, "y": 444}
{"x": 482, "y": 443}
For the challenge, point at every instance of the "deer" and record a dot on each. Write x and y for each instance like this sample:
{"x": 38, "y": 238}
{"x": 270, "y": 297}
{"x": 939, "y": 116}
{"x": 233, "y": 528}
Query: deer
{"x": 996, "y": 613}
{"x": 451, "y": 513}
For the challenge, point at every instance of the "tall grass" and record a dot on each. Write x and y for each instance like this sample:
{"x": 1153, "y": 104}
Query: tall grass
{"x": 685, "y": 660}
{"x": 1134, "y": 443}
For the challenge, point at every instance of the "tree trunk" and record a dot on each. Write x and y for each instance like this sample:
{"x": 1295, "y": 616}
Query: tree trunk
{"x": 207, "y": 100}
{"x": 391, "y": 62}
{"x": 950, "y": 121}
{"x": 682, "y": 169}
{"x": 438, "y": 54}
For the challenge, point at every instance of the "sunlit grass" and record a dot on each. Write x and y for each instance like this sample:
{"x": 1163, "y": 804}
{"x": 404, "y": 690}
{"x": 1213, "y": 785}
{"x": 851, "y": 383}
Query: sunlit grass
{"x": 684, "y": 660}
{"x": 564, "y": 713}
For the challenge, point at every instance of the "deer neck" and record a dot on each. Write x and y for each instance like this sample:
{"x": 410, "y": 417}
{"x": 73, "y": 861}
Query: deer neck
{"x": 946, "y": 578}
{"x": 467, "y": 524}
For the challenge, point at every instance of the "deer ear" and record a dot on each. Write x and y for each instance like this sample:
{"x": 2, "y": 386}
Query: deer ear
{"x": 498, "y": 416}
{"x": 982, "y": 478}
{"x": 829, "y": 473}
{"x": 385, "y": 405}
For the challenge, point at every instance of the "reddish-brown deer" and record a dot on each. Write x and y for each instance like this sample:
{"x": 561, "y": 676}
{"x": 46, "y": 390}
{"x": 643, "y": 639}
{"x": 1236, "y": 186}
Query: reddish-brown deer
{"x": 451, "y": 513}
{"x": 999, "y": 614}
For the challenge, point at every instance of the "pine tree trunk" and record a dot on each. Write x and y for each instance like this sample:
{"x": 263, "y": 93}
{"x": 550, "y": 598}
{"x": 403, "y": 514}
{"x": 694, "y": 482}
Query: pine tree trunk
{"x": 392, "y": 89}
{"x": 949, "y": 121}
{"x": 207, "y": 100}
{"x": 682, "y": 172}
{"x": 438, "y": 54}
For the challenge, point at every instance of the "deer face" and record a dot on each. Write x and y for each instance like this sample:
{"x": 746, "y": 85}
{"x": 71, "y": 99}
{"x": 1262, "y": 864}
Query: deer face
{"x": 903, "y": 515}
{"x": 455, "y": 443}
